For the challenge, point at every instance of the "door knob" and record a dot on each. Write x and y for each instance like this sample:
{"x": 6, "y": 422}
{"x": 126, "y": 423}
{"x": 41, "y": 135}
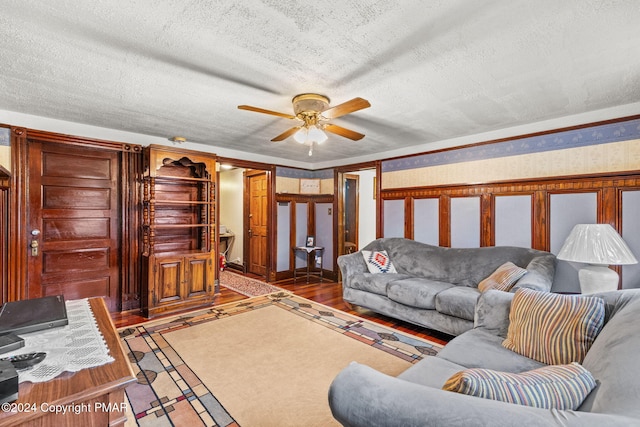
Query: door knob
{"x": 34, "y": 248}
{"x": 34, "y": 242}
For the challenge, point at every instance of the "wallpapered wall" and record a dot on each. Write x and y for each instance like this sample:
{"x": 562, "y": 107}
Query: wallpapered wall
{"x": 288, "y": 179}
{"x": 605, "y": 148}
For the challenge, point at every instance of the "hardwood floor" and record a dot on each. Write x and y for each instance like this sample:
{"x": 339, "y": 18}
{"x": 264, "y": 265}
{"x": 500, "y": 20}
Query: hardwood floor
{"x": 327, "y": 293}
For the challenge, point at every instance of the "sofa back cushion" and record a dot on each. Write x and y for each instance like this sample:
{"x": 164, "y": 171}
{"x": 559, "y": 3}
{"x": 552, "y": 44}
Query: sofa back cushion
{"x": 613, "y": 357}
{"x": 460, "y": 266}
{"x": 553, "y": 328}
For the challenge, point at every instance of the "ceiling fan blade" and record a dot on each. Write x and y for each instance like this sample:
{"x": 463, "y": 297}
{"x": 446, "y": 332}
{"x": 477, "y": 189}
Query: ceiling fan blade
{"x": 262, "y": 110}
{"x": 287, "y": 134}
{"x": 339, "y": 130}
{"x": 345, "y": 108}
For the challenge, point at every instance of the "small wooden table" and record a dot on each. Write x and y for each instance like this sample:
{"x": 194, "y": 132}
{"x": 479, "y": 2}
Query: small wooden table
{"x": 90, "y": 397}
{"x": 318, "y": 250}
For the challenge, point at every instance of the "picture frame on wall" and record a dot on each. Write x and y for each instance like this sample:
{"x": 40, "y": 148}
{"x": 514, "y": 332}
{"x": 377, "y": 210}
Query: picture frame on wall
{"x": 311, "y": 241}
{"x": 309, "y": 186}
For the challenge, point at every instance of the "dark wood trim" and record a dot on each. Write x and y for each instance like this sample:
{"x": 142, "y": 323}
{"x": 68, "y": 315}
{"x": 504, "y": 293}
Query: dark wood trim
{"x": 245, "y": 164}
{"x": 5, "y": 194}
{"x": 540, "y": 221}
{"x": 18, "y": 240}
{"x": 487, "y": 224}
{"x": 408, "y": 217}
{"x": 356, "y": 167}
{"x": 131, "y": 274}
{"x": 338, "y": 217}
{"x": 608, "y": 188}
{"x": 82, "y": 141}
{"x": 304, "y": 198}
{"x": 272, "y": 232}
{"x": 293, "y": 232}
{"x": 378, "y": 186}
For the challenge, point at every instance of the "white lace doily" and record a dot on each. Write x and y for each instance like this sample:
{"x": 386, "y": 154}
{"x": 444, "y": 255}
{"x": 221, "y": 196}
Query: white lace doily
{"x": 70, "y": 348}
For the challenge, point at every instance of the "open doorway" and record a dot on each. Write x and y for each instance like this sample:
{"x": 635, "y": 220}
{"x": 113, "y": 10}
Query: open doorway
{"x": 244, "y": 217}
{"x": 356, "y": 209}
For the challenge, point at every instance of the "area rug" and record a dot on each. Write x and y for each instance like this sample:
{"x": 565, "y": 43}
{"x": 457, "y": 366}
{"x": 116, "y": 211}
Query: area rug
{"x": 245, "y": 285}
{"x": 265, "y": 361}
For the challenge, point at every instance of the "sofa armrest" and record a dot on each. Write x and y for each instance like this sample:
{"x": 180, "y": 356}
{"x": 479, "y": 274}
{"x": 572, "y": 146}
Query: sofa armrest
{"x": 351, "y": 264}
{"x": 492, "y": 312}
{"x": 363, "y": 397}
{"x": 540, "y": 273}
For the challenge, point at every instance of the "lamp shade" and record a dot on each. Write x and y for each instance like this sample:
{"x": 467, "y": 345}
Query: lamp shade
{"x": 596, "y": 244}
{"x": 302, "y": 135}
{"x": 316, "y": 135}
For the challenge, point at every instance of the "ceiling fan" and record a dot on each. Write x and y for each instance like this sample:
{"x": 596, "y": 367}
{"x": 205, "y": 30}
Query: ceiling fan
{"x": 314, "y": 113}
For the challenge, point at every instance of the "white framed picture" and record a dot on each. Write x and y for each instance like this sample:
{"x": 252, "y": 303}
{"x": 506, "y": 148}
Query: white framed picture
{"x": 309, "y": 186}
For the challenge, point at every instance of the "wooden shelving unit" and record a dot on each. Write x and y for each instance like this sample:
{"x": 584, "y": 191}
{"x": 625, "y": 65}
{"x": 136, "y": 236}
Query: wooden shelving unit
{"x": 178, "y": 229}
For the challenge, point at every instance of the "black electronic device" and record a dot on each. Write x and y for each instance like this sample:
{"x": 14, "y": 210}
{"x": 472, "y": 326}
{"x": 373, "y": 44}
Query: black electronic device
{"x": 8, "y": 382}
{"x": 10, "y": 342}
{"x": 30, "y": 315}
{"x": 25, "y": 360}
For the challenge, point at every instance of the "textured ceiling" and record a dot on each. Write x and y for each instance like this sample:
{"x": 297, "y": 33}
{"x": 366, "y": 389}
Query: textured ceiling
{"x": 432, "y": 70}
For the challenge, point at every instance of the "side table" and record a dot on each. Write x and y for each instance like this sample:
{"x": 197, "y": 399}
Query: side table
{"x": 318, "y": 251}
{"x": 90, "y": 397}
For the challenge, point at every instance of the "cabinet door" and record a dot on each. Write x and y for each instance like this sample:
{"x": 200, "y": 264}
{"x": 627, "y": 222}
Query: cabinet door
{"x": 198, "y": 275}
{"x": 169, "y": 272}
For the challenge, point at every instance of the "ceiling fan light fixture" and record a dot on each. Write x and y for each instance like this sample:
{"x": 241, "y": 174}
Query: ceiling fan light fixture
{"x": 309, "y": 134}
{"x": 317, "y": 135}
{"x": 302, "y": 135}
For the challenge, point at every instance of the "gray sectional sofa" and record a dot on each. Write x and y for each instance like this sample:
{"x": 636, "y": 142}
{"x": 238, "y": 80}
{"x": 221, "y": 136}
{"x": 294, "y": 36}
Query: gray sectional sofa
{"x": 436, "y": 287}
{"x": 361, "y": 396}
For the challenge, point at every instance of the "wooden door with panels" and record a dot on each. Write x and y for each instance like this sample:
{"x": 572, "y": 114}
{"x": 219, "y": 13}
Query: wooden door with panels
{"x": 73, "y": 222}
{"x": 258, "y": 222}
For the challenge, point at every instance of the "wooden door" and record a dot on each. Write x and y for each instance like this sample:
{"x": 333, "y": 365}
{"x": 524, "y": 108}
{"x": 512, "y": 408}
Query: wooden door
{"x": 351, "y": 191}
{"x": 73, "y": 219}
{"x": 258, "y": 223}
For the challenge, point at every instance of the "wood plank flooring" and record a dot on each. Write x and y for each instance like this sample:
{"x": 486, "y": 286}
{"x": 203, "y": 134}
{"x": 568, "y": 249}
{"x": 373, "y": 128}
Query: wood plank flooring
{"x": 327, "y": 293}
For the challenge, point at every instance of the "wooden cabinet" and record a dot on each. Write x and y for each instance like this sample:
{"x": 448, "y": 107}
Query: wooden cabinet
{"x": 178, "y": 229}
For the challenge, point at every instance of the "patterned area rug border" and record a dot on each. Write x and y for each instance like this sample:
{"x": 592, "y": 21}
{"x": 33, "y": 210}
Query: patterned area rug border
{"x": 168, "y": 392}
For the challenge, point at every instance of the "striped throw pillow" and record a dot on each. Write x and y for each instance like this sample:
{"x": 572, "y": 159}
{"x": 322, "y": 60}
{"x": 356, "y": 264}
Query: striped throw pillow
{"x": 559, "y": 387}
{"x": 552, "y": 328}
{"x": 503, "y": 278}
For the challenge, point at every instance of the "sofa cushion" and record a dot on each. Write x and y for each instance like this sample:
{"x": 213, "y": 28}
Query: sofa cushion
{"x": 431, "y": 371}
{"x": 375, "y": 283}
{"x": 503, "y": 278}
{"x": 416, "y": 292}
{"x": 551, "y": 387}
{"x": 540, "y": 274}
{"x": 478, "y": 348}
{"x": 552, "y": 328}
{"x": 378, "y": 262}
{"x": 458, "y": 301}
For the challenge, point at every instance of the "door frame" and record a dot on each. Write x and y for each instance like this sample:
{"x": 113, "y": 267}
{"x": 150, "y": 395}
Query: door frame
{"x": 339, "y": 202}
{"x": 19, "y": 238}
{"x": 246, "y": 211}
{"x": 271, "y": 209}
